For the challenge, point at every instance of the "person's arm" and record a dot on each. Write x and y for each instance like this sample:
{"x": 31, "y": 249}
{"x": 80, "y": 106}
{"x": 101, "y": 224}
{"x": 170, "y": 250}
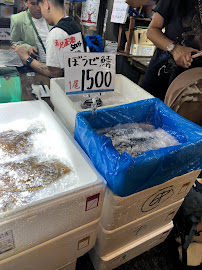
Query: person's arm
{"x": 16, "y": 35}
{"x": 138, "y": 3}
{"x": 41, "y": 68}
{"x": 38, "y": 66}
{"x": 181, "y": 54}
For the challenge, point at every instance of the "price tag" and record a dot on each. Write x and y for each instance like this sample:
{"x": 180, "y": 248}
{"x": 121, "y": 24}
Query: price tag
{"x": 89, "y": 72}
{"x": 73, "y": 43}
{"x": 119, "y": 11}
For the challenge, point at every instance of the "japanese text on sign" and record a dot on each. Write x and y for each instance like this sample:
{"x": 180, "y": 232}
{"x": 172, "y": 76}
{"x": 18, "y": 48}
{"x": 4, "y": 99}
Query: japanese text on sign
{"x": 119, "y": 11}
{"x": 89, "y": 13}
{"x": 89, "y": 72}
{"x": 73, "y": 43}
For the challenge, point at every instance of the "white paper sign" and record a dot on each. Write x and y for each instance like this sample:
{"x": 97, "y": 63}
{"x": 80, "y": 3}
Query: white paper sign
{"x": 89, "y": 13}
{"x": 73, "y": 43}
{"x": 119, "y": 11}
{"x": 5, "y": 34}
{"x": 89, "y": 72}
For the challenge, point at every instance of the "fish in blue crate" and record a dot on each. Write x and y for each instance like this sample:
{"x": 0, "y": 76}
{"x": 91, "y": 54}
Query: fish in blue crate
{"x": 137, "y": 138}
{"x": 126, "y": 174}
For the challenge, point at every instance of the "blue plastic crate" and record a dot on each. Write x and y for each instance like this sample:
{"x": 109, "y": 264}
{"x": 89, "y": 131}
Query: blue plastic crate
{"x": 126, "y": 175}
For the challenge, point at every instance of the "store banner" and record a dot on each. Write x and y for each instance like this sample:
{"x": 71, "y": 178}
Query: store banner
{"x": 89, "y": 12}
{"x": 119, "y": 11}
{"x": 73, "y": 43}
{"x": 89, "y": 72}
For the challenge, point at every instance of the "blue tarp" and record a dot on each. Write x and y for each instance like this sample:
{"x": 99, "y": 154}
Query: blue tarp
{"x": 126, "y": 175}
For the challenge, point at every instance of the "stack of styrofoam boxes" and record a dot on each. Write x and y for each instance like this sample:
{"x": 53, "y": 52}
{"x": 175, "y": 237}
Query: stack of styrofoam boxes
{"x": 131, "y": 225}
{"x": 52, "y": 233}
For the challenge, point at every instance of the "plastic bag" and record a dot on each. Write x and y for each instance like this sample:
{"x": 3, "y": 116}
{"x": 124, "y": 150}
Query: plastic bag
{"x": 126, "y": 175}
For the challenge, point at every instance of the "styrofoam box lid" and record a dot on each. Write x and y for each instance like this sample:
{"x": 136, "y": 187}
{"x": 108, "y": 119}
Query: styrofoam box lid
{"x": 86, "y": 173}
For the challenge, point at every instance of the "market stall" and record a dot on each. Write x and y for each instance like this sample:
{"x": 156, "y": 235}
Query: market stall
{"x": 90, "y": 161}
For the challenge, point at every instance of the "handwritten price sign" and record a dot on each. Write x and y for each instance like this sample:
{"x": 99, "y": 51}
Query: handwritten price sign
{"x": 89, "y": 72}
{"x": 73, "y": 43}
{"x": 119, "y": 11}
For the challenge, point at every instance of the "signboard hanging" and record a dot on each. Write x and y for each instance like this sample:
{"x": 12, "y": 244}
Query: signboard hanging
{"x": 73, "y": 43}
{"x": 119, "y": 11}
{"x": 89, "y": 72}
{"x": 89, "y": 12}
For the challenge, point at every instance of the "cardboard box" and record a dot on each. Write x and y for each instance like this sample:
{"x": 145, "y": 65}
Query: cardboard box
{"x": 142, "y": 50}
{"x": 130, "y": 251}
{"x": 140, "y": 36}
{"x": 141, "y": 45}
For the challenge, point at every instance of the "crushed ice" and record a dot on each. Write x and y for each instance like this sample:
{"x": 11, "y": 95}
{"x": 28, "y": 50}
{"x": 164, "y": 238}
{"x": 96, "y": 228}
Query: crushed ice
{"x": 136, "y": 139}
{"x": 37, "y": 155}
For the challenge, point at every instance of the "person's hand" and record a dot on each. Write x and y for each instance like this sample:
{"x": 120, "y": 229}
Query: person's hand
{"x": 33, "y": 52}
{"x": 21, "y": 51}
{"x": 182, "y": 55}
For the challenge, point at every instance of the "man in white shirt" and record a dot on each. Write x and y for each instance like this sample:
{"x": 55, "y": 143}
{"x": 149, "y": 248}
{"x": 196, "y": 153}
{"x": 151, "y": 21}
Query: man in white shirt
{"x": 54, "y": 12}
{"x": 30, "y": 29}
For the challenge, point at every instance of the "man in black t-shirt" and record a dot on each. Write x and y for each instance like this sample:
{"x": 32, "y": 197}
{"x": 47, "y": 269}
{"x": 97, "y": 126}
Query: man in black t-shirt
{"x": 182, "y": 20}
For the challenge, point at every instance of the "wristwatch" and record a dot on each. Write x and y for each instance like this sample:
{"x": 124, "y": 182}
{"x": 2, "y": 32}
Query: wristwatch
{"x": 170, "y": 47}
{"x": 29, "y": 60}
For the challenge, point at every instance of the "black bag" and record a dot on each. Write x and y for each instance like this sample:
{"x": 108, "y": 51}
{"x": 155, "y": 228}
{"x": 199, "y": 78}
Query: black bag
{"x": 188, "y": 217}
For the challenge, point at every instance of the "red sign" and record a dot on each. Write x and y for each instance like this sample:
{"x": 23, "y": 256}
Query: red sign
{"x": 92, "y": 202}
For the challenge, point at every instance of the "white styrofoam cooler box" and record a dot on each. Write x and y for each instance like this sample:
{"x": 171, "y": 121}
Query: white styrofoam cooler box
{"x": 58, "y": 253}
{"x": 109, "y": 241}
{"x": 118, "y": 211}
{"x": 69, "y": 266}
{"x": 130, "y": 251}
{"x": 35, "y": 223}
{"x": 125, "y": 91}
